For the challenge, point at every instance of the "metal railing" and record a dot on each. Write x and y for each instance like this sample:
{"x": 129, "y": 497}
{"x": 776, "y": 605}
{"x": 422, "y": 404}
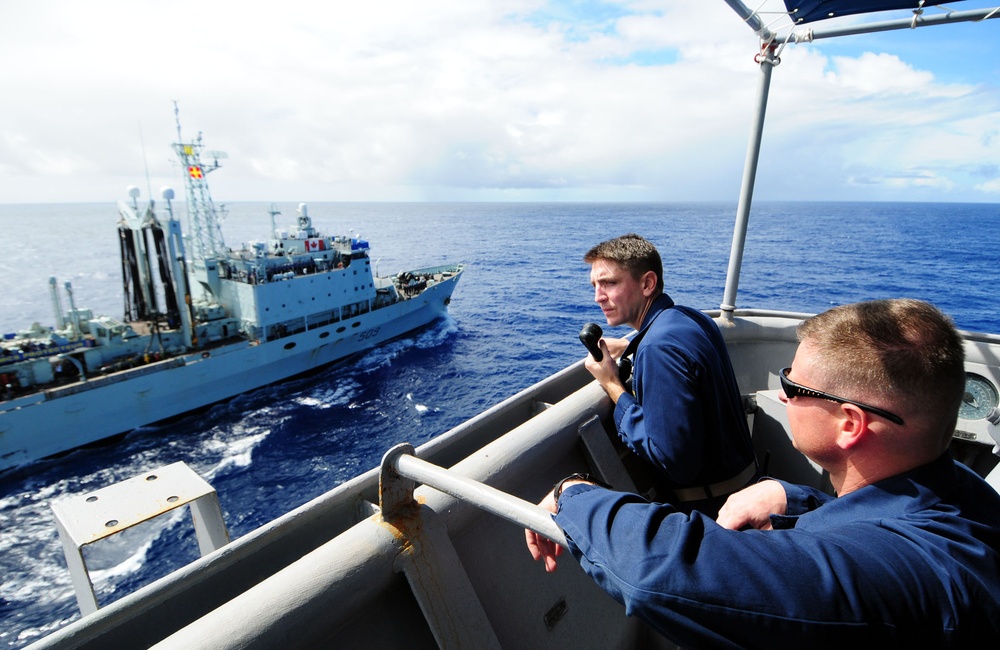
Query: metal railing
{"x": 400, "y": 463}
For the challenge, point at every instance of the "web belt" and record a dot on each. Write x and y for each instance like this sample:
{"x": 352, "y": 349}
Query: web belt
{"x": 717, "y": 489}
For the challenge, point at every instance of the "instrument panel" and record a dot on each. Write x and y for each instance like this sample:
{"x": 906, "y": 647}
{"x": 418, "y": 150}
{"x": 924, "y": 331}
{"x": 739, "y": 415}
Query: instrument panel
{"x": 980, "y": 398}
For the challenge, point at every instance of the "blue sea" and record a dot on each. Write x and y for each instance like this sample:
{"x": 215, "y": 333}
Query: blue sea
{"x": 513, "y": 320}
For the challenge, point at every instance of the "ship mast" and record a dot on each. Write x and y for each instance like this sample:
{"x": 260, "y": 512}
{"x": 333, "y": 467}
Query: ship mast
{"x": 203, "y": 220}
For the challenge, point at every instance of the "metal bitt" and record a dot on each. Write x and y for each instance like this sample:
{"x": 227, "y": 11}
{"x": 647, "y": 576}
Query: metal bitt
{"x": 87, "y": 518}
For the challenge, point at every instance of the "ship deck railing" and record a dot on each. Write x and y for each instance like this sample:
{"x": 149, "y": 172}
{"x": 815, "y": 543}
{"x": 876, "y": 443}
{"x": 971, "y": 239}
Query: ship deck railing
{"x": 12, "y": 356}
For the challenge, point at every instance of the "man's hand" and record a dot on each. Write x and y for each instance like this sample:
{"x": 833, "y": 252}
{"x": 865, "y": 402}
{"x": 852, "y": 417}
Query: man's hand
{"x": 616, "y": 346}
{"x": 605, "y": 371}
{"x": 541, "y": 547}
{"x": 752, "y": 506}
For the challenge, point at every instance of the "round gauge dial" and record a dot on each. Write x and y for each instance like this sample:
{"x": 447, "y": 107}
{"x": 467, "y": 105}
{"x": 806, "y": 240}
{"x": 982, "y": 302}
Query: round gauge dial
{"x": 980, "y": 398}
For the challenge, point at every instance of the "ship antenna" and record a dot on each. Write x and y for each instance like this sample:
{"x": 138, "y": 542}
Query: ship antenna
{"x": 145, "y": 160}
{"x": 274, "y": 211}
{"x": 177, "y": 119}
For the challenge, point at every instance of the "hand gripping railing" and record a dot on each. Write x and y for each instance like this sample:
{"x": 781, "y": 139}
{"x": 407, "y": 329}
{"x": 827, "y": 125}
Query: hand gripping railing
{"x": 401, "y": 470}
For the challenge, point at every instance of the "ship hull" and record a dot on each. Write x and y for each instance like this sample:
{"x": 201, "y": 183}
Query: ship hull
{"x": 47, "y": 423}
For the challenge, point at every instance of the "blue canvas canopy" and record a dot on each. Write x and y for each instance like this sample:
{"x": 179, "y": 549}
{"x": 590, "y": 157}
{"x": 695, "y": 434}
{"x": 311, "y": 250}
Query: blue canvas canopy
{"x": 807, "y": 11}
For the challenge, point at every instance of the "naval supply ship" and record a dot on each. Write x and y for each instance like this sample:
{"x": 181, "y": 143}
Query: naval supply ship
{"x": 202, "y": 322}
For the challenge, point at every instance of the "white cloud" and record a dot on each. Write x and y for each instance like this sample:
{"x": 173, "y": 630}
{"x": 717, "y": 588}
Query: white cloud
{"x": 878, "y": 73}
{"x": 460, "y": 99}
{"x": 990, "y": 187}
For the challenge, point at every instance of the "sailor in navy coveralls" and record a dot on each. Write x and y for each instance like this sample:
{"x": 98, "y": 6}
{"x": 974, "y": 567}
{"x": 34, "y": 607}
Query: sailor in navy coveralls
{"x": 907, "y": 554}
{"x": 684, "y": 415}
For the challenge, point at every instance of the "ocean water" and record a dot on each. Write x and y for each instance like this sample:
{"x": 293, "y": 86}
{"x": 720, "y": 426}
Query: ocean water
{"x": 513, "y": 320}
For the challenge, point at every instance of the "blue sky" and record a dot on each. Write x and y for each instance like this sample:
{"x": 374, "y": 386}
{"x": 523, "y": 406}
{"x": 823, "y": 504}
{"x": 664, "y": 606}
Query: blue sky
{"x": 479, "y": 100}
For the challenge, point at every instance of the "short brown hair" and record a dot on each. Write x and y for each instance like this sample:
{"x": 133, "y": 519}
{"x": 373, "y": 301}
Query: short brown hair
{"x": 902, "y": 354}
{"x": 633, "y": 252}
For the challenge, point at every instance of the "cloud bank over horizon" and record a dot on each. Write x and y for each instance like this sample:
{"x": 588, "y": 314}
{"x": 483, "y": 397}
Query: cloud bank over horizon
{"x": 472, "y": 100}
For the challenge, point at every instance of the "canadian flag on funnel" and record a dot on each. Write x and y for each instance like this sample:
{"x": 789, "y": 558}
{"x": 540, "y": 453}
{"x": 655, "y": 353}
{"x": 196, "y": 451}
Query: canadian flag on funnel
{"x": 315, "y": 245}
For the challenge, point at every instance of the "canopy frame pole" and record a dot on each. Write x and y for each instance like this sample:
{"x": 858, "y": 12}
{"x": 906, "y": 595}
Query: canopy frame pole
{"x": 767, "y": 61}
{"x": 808, "y": 34}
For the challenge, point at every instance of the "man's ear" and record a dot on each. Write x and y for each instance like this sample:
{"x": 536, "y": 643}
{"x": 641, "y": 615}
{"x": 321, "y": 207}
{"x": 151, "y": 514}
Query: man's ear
{"x": 853, "y": 426}
{"x": 648, "y": 283}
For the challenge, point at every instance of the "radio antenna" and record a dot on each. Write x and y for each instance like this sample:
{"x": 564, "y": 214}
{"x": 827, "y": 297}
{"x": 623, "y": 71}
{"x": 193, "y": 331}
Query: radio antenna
{"x": 145, "y": 161}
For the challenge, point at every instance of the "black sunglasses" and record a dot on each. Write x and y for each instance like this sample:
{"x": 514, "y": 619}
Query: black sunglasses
{"x": 793, "y": 390}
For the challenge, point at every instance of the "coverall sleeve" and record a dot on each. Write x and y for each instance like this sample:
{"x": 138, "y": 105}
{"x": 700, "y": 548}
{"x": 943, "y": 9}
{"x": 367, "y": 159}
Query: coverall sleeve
{"x": 663, "y": 423}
